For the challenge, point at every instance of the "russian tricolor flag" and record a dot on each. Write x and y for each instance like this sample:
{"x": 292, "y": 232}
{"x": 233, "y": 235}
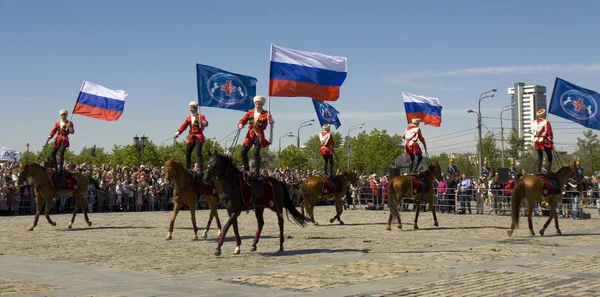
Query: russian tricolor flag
{"x": 98, "y": 102}
{"x": 427, "y": 109}
{"x": 297, "y": 73}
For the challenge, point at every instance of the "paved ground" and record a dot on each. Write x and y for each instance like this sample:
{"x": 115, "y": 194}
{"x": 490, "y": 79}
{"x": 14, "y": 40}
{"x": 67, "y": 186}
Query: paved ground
{"x": 125, "y": 254}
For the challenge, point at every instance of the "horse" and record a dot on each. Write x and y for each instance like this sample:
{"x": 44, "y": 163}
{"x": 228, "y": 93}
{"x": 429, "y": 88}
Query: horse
{"x": 418, "y": 186}
{"x": 243, "y": 197}
{"x": 538, "y": 188}
{"x": 186, "y": 194}
{"x": 315, "y": 186}
{"x": 45, "y": 190}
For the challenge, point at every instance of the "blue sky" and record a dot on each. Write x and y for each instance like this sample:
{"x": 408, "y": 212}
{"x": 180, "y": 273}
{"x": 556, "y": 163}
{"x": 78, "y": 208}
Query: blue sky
{"x": 452, "y": 50}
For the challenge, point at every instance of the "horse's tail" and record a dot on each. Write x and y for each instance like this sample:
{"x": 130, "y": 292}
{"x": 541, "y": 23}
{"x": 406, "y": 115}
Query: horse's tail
{"x": 97, "y": 188}
{"x": 392, "y": 203}
{"x": 515, "y": 203}
{"x": 298, "y": 218}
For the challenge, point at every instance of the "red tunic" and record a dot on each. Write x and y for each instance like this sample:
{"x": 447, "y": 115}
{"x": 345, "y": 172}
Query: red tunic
{"x": 543, "y": 134}
{"x": 196, "y": 127}
{"x": 256, "y": 127}
{"x": 326, "y": 143}
{"x": 411, "y": 135}
{"x": 62, "y": 132}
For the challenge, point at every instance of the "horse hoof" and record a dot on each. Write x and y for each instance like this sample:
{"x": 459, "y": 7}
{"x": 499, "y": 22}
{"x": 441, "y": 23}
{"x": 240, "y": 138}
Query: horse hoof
{"x": 253, "y": 248}
{"x": 169, "y": 237}
{"x": 436, "y": 224}
{"x": 542, "y": 232}
{"x": 388, "y": 228}
{"x": 316, "y": 224}
{"x": 331, "y": 221}
{"x": 195, "y": 237}
{"x": 217, "y": 252}
{"x": 400, "y": 227}
{"x": 510, "y": 232}
{"x": 558, "y": 231}
{"x": 280, "y": 250}
{"x": 89, "y": 223}
{"x": 70, "y": 226}
{"x": 204, "y": 234}
{"x": 531, "y": 233}
{"x": 342, "y": 223}
{"x": 416, "y": 227}
{"x": 30, "y": 229}
{"x": 53, "y": 223}
{"x": 219, "y": 233}
{"x": 237, "y": 250}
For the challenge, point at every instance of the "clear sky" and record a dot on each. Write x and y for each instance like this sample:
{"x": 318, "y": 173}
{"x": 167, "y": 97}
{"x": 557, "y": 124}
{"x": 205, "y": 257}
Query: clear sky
{"x": 452, "y": 50}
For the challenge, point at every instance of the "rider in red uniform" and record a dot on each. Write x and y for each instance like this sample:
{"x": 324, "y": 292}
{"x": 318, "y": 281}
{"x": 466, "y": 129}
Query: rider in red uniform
{"x": 327, "y": 143}
{"x": 411, "y": 135}
{"x": 62, "y": 129}
{"x": 543, "y": 139}
{"x": 197, "y": 122}
{"x": 257, "y": 120}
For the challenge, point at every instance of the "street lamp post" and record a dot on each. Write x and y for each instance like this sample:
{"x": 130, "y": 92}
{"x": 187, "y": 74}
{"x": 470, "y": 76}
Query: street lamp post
{"x": 505, "y": 108}
{"x": 288, "y": 134}
{"x": 139, "y": 144}
{"x": 480, "y": 155}
{"x": 359, "y": 126}
{"x": 302, "y": 125}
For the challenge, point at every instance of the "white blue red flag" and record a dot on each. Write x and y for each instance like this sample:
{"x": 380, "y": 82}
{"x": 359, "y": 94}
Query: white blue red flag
{"x": 427, "y": 109}
{"x": 98, "y": 102}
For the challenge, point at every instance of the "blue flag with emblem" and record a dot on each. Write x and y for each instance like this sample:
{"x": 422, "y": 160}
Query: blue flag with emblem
{"x": 574, "y": 103}
{"x": 223, "y": 89}
{"x": 327, "y": 114}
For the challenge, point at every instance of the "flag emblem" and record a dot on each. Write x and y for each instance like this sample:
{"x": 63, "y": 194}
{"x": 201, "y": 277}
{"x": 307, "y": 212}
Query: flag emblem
{"x": 326, "y": 113}
{"x": 578, "y": 104}
{"x": 226, "y": 86}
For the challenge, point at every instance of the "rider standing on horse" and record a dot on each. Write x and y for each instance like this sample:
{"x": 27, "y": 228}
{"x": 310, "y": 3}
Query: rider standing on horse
{"x": 62, "y": 129}
{"x": 327, "y": 144}
{"x": 411, "y": 135}
{"x": 543, "y": 139}
{"x": 197, "y": 122}
{"x": 257, "y": 120}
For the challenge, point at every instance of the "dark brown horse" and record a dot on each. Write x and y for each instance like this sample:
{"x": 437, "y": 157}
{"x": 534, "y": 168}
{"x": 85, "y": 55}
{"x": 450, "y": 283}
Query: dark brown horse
{"x": 314, "y": 188}
{"x": 531, "y": 187}
{"x": 44, "y": 190}
{"x": 402, "y": 186}
{"x": 240, "y": 196}
{"x": 186, "y": 193}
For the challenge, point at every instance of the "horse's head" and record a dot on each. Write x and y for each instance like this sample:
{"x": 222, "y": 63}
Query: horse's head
{"x": 25, "y": 171}
{"x": 436, "y": 170}
{"x": 171, "y": 169}
{"x": 217, "y": 166}
{"x": 351, "y": 176}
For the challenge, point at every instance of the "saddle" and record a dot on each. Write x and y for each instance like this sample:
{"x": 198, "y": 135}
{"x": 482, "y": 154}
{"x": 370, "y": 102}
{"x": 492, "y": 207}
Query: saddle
{"x": 63, "y": 180}
{"x": 550, "y": 184}
{"x": 331, "y": 185}
{"x": 420, "y": 184}
{"x": 259, "y": 192}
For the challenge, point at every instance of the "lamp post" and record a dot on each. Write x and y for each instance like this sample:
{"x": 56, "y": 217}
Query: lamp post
{"x": 302, "y": 125}
{"x": 359, "y": 126}
{"x": 480, "y": 155}
{"x": 505, "y": 108}
{"x": 139, "y": 144}
{"x": 288, "y": 134}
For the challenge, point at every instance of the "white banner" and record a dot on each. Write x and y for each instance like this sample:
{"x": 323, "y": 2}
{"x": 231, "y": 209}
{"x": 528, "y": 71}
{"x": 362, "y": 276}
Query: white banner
{"x": 7, "y": 154}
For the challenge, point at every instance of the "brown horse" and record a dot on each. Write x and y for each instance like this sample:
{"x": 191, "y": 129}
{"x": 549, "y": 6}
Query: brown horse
{"x": 532, "y": 187}
{"x": 186, "y": 194}
{"x": 402, "y": 186}
{"x": 313, "y": 188}
{"x": 45, "y": 191}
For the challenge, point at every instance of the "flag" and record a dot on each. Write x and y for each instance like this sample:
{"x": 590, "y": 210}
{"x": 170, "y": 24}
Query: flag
{"x": 428, "y": 109}
{"x": 574, "y": 103}
{"x": 7, "y": 154}
{"x": 297, "y": 73}
{"x": 223, "y": 89}
{"x": 98, "y": 102}
{"x": 327, "y": 114}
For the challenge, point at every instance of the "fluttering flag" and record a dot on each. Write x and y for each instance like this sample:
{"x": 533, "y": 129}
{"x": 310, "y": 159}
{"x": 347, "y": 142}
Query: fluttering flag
{"x": 297, "y": 73}
{"x": 428, "y": 109}
{"x": 223, "y": 89}
{"x": 98, "y": 102}
{"x": 327, "y": 114}
{"x": 574, "y": 103}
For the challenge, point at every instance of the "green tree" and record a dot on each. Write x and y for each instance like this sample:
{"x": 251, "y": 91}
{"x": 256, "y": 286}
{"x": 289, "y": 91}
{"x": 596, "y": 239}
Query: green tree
{"x": 293, "y": 158}
{"x": 374, "y": 152}
{"x": 587, "y": 147}
{"x": 516, "y": 145}
{"x": 491, "y": 151}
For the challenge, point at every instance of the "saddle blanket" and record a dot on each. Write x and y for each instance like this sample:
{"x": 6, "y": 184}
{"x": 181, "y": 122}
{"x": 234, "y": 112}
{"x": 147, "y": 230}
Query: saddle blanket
{"x": 264, "y": 197}
{"x": 549, "y": 188}
{"x": 330, "y": 187}
{"x": 420, "y": 184}
{"x": 70, "y": 182}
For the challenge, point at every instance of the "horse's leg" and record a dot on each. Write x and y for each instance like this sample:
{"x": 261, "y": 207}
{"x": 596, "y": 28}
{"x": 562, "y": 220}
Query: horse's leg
{"x": 47, "y": 212}
{"x": 176, "y": 209}
{"x": 550, "y": 217}
{"x": 337, "y": 210}
{"x": 554, "y": 205}
{"x": 232, "y": 217}
{"x": 302, "y": 206}
{"x": 340, "y": 209}
{"x": 211, "y": 207}
{"x": 258, "y": 212}
{"x": 193, "y": 214}
{"x": 238, "y": 240}
{"x": 311, "y": 209}
{"x": 84, "y": 205}
{"x": 430, "y": 201}
{"x": 530, "y": 204}
{"x": 418, "y": 202}
{"x": 280, "y": 222}
{"x": 38, "y": 210}
{"x": 75, "y": 211}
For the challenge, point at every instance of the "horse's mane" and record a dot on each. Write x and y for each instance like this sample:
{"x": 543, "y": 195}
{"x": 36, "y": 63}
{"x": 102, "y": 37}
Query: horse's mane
{"x": 178, "y": 164}
{"x": 227, "y": 160}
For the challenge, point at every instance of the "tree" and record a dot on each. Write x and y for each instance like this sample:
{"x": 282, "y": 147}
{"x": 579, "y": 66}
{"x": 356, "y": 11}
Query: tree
{"x": 491, "y": 151}
{"x": 516, "y": 146}
{"x": 586, "y": 147}
{"x": 293, "y": 158}
{"x": 374, "y": 152}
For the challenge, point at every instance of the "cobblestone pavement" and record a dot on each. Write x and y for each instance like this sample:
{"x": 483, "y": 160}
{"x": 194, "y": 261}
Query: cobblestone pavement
{"x": 125, "y": 254}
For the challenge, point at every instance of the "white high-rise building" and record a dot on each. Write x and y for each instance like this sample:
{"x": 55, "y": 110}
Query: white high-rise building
{"x": 529, "y": 99}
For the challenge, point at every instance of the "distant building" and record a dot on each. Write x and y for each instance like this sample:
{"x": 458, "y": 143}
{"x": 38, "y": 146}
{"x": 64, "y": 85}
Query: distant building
{"x": 529, "y": 99}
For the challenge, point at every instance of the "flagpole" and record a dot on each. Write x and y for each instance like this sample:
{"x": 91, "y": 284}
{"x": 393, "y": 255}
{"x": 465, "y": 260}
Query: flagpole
{"x": 269, "y": 97}
{"x": 73, "y": 111}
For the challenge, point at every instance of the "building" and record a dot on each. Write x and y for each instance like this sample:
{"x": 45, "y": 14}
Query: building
{"x": 528, "y": 99}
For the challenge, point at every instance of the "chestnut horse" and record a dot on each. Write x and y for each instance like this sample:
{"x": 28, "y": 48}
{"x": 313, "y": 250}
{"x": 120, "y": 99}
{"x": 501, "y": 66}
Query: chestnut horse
{"x": 531, "y": 187}
{"x": 312, "y": 189}
{"x": 402, "y": 186}
{"x": 222, "y": 169}
{"x": 185, "y": 194}
{"x": 45, "y": 191}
